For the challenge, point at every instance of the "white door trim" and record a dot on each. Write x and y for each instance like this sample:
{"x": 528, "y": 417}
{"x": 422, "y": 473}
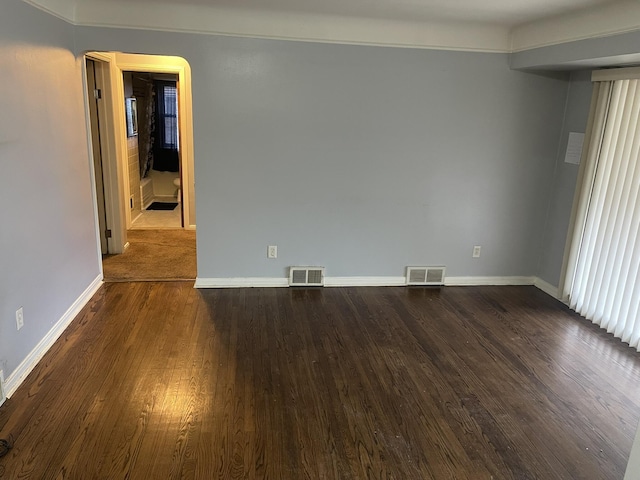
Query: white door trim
{"x": 178, "y": 66}
{"x": 113, "y": 178}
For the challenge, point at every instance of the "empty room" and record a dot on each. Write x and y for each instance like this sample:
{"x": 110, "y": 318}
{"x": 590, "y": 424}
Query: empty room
{"x": 417, "y": 246}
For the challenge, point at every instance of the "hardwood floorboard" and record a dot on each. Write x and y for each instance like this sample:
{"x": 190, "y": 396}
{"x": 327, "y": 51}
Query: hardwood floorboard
{"x": 159, "y": 380}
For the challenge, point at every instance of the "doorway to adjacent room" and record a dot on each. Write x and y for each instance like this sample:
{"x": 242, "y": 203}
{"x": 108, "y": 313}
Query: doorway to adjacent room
{"x": 140, "y": 114}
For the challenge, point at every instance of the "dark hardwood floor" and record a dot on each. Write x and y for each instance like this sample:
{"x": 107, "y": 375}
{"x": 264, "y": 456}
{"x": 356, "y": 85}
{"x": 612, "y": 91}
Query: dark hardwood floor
{"x": 159, "y": 380}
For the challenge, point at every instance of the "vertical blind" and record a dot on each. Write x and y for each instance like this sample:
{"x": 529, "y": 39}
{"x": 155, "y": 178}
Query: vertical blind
{"x": 602, "y": 281}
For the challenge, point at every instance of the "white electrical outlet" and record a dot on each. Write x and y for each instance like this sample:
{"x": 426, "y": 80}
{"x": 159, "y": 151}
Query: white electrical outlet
{"x": 19, "y": 318}
{"x": 272, "y": 251}
{"x": 476, "y": 251}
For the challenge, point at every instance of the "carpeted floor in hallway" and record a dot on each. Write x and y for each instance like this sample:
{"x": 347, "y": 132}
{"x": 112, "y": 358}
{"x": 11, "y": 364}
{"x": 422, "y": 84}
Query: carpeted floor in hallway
{"x": 154, "y": 255}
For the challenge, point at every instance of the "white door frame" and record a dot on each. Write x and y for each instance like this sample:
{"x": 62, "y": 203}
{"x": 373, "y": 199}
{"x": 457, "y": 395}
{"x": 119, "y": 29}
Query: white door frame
{"x": 162, "y": 64}
{"x": 109, "y": 68}
{"x": 112, "y": 175}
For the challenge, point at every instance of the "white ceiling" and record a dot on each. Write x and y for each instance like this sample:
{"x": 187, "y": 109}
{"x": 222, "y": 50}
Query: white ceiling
{"x": 486, "y": 25}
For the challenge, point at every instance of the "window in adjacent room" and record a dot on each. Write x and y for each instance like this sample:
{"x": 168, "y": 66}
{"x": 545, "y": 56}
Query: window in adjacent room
{"x": 168, "y": 113}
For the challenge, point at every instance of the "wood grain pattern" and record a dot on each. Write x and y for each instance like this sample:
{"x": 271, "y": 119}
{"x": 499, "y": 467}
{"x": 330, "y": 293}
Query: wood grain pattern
{"x": 159, "y": 380}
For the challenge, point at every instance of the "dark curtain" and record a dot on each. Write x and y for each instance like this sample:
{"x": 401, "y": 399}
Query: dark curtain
{"x": 146, "y": 128}
{"x": 166, "y": 139}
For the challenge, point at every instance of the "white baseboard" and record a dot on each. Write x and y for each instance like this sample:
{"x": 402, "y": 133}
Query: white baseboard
{"x": 365, "y": 281}
{"x": 241, "y": 282}
{"x": 19, "y": 374}
{"x": 246, "y": 282}
{"x": 546, "y": 287}
{"x": 478, "y": 281}
{"x": 249, "y": 282}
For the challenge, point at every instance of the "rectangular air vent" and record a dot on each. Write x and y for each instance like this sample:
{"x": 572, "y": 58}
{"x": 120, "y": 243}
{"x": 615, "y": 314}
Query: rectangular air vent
{"x": 425, "y": 275}
{"x": 306, "y": 276}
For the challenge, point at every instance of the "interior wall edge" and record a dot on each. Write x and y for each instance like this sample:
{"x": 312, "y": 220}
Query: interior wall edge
{"x": 546, "y": 287}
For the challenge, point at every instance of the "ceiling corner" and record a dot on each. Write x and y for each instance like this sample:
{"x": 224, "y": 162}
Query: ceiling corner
{"x": 64, "y": 9}
{"x": 611, "y": 19}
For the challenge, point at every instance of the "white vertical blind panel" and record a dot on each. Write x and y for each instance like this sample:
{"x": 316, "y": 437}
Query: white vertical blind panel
{"x": 611, "y": 216}
{"x": 629, "y": 299}
{"x": 595, "y": 134}
{"x": 601, "y": 220}
{"x": 592, "y": 242}
{"x": 605, "y": 288}
{"x": 625, "y": 235}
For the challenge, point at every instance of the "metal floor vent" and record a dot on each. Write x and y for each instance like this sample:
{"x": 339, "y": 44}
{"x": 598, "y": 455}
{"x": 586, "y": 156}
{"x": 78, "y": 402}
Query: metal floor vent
{"x": 306, "y": 276}
{"x": 425, "y": 275}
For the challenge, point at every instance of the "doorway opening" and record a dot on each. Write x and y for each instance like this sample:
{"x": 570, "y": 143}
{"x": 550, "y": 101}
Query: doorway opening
{"x": 139, "y": 111}
{"x": 153, "y": 150}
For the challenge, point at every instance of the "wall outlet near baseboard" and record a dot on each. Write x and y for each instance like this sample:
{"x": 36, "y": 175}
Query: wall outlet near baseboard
{"x": 476, "y": 251}
{"x": 272, "y": 251}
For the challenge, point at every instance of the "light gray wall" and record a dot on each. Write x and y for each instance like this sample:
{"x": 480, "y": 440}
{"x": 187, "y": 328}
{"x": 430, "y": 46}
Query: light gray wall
{"x": 48, "y": 253}
{"x": 564, "y": 179}
{"x": 361, "y": 159}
